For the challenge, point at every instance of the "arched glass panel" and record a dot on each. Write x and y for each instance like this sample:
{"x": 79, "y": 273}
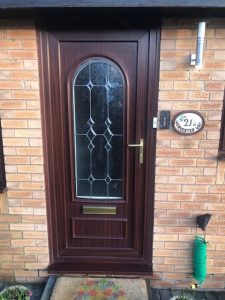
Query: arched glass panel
{"x": 98, "y": 95}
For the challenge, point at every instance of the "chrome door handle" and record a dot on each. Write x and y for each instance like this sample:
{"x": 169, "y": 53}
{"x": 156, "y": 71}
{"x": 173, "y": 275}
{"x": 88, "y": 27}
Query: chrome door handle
{"x": 141, "y": 150}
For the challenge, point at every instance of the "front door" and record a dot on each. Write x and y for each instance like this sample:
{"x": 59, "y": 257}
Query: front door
{"x": 97, "y": 109}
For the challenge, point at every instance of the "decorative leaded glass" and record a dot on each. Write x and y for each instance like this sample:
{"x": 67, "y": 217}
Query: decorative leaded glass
{"x": 98, "y": 121}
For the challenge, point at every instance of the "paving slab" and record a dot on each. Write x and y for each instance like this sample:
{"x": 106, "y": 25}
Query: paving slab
{"x": 74, "y": 288}
{"x": 164, "y": 294}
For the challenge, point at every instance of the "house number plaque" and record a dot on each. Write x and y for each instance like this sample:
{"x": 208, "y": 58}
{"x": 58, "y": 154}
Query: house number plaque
{"x": 188, "y": 122}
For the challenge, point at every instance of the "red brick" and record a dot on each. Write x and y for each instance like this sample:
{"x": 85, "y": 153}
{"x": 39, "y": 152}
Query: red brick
{"x": 24, "y": 273}
{"x": 167, "y": 44}
{"x": 169, "y": 152}
{"x": 18, "y": 177}
{"x": 173, "y": 75}
{"x": 166, "y": 237}
{"x": 30, "y": 64}
{"x": 177, "y": 261}
{"x": 220, "y": 54}
{"x": 182, "y": 179}
{"x": 214, "y": 85}
{"x": 10, "y": 250}
{"x": 211, "y": 162}
{"x": 9, "y": 85}
{"x": 23, "y": 227}
{"x": 208, "y": 197}
{"x": 193, "y": 206}
{"x": 11, "y": 64}
{"x": 11, "y": 105}
{"x": 177, "y": 245}
{"x": 214, "y": 65}
{"x": 184, "y": 105}
{"x": 33, "y": 202}
{"x": 36, "y": 218}
{"x": 200, "y": 75}
{"x": 173, "y": 95}
{"x": 3, "y": 54}
{"x": 215, "y": 44}
{"x": 24, "y": 75}
{"x": 22, "y": 34}
{"x": 22, "y": 54}
{"x": 17, "y": 160}
{"x": 10, "y": 44}
{"x": 16, "y": 142}
{"x": 198, "y": 95}
{"x": 180, "y": 197}
{"x": 23, "y": 94}
{"x": 182, "y": 162}
{"x": 180, "y": 229}
{"x": 211, "y": 106}
{"x": 12, "y": 265}
{"x": 25, "y": 258}
{"x": 34, "y": 234}
{"x": 168, "y": 171}
{"x": 167, "y": 65}
{"x": 25, "y": 114}
{"x": 187, "y": 85}
{"x": 167, "y": 204}
{"x": 29, "y": 44}
{"x": 184, "y": 144}
{"x": 166, "y": 221}
{"x": 19, "y": 194}
{"x": 205, "y": 180}
{"x": 194, "y": 152}
{"x": 23, "y": 242}
{"x": 195, "y": 188}
{"x": 36, "y": 265}
{"x": 36, "y": 250}
{"x": 186, "y": 44}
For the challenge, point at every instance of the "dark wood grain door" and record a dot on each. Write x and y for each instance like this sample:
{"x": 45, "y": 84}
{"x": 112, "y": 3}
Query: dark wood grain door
{"x": 95, "y": 104}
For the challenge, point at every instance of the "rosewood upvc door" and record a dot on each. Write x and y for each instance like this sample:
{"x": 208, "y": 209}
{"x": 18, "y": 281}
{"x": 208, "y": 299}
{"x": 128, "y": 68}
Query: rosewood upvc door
{"x": 98, "y": 103}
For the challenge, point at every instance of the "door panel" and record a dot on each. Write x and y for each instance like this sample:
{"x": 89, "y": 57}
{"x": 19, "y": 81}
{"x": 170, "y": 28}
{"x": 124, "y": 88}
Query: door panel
{"x": 124, "y": 56}
{"x": 96, "y": 193}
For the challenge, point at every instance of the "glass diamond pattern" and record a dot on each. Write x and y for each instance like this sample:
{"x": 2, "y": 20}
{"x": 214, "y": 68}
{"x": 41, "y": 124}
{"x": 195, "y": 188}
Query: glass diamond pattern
{"x": 108, "y": 147}
{"x": 90, "y": 122}
{"x": 90, "y": 85}
{"x": 108, "y": 85}
{"x": 108, "y": 122}
{"x": 108, "y": 134}
{"x": 108, "y": 179}
{"x": 99, "y": 148}
{"x": 91, "y": 146}
{"x": 91, "y": 134}
{"x": 91, "y": 179}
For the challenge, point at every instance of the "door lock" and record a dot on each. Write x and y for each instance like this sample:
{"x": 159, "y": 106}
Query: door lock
{"x": 141, "y": 150}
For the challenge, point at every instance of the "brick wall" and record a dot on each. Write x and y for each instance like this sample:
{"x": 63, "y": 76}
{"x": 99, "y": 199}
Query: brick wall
{"x": 190, "y": 179}
{"x": 23, "y": 237}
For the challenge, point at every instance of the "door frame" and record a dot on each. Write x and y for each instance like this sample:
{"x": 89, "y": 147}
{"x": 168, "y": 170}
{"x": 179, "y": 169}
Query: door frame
{"x": 55, "y": 266}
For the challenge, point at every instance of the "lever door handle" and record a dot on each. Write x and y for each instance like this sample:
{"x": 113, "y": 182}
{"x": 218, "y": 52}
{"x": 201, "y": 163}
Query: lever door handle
{"x": 141, "y": 150}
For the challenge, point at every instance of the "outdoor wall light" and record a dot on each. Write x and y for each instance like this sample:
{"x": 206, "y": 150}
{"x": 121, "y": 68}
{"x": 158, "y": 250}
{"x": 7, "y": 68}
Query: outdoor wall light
{"x": 196, "y": 59}
{"x": 203, "y": 220}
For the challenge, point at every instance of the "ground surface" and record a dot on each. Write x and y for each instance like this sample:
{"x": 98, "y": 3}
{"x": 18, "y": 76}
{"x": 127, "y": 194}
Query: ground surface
{"x": 167, "y": 294}
{"x": 37, "y": 289}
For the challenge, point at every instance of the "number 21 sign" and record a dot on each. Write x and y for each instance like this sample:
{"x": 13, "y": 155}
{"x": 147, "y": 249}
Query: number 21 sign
{"x": 188, "y": 122}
